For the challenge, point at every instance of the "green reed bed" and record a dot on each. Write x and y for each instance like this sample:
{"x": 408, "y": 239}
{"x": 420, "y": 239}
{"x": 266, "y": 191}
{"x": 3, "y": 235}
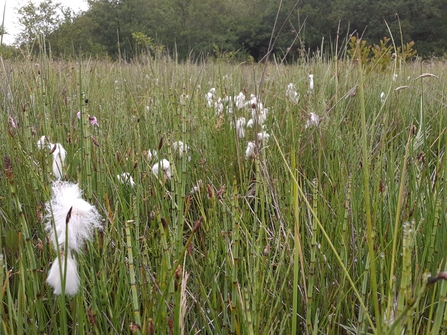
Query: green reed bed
{"x": 329, "y": 226}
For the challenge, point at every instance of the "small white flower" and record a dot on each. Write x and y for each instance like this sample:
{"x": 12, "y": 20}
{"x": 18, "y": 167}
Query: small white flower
{"x": 292, "y": 94}
{"x": 126, "y": 179}
{"x": 251, "y": 146}
{"x": 210, "y": 97}
{"x": 250, "y": 123}
{"x": 263, "y": 135}
{"x": 43, "y": 142}
{"x": 240, "y": 124}
{"x": 382, "y": 97}
{"x": 59, "y": 155}
{"x": 253, "y": 99}
{"x": 83, "y": 220}
{"x": 151, "y": 154}
{"x": 181, "y": 148}
{"x": 311, "y": 82}
{"x": 218, "y": 105}
{"x": 312, "y": 120}
{"x": 56, "y": 275}
{"x": 164, "y": 166}
{"x": 240, "y": 100}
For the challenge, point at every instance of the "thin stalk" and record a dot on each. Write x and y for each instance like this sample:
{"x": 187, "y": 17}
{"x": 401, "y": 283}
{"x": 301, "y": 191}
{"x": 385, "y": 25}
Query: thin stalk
{"x": 133, "y": 285}
{"x": 366, "y": 178}
{"x": 313, "y": 251}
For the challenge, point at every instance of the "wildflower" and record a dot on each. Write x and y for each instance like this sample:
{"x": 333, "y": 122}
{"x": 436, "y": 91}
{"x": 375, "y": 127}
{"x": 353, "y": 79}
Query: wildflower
{"x": 253, "y": 100}
{"x": 292, "y": 94}
{"x": 93, "y": 121}
{"x": 311, "y": 82}
{"x": 312, "y": 120}
{"x": 164, "y": 166}
{"x": 210, "y": 97}
{"x": 263, "y": 135}
{"x": 250, "y": 123}
{"x": 83, "y": 220}
{"x": 126, "y": 179}
{"x": 240, "y": 100}
{"x": 78, "y": 115}
{"x": 11, "y": 120}
{"x": 218, "y": 105}
{"x": 151, "y": 154}
{"x": 251, "y": 146}
{"x": 382, "y": 97}
{"x": 181, "y": 148}
{"x": 258, "y": 111}
{"x": 57, "y": 272}
{"x": 59, "y": 154}
{"x": 44, "y": 142}
{"x": 240, "y": 124}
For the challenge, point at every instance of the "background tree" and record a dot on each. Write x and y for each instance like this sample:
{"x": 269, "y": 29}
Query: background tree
{"x": 207, "y": 28}
{"x": 40, "y": 20}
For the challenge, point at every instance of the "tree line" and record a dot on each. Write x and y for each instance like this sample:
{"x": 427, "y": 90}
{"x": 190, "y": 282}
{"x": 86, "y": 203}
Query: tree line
{"x": 241, "y": 29}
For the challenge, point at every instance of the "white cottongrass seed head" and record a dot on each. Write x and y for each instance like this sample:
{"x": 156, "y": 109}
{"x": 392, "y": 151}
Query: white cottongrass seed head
{"x": 57, "y": 272}
{"x": 181, "y": 148}
{"x": 240, "y": 130}
{"x": 311, "y": 82}
{"x": 162, "y": 166}
{"x": 151, "y": 154}
{"x": 126, "y": 179}
{"x": 292, "y": 94}
{"x": 83, "y": 220}
{"x": 43, "y": 142}
{"x": 382, "y": 97}
{"x": 251, "y": 146}
{"x": 59, "y": 155}
{"x": 263, "y": 136}
{"x": 313, "y": 120}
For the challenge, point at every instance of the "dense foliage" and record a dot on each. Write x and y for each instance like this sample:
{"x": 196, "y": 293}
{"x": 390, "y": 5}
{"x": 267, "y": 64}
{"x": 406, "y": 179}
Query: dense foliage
{"x": 233, "y": 29}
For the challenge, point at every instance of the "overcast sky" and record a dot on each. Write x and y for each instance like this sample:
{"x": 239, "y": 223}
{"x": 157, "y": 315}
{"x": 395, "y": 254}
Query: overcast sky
{"x": 12, "y": 26}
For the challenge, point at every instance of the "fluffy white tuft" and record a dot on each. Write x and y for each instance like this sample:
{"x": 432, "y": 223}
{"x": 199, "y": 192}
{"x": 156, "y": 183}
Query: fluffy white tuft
{"x": 251, "y": 146}
{"x": 59, "y": 154}
{"x": 84, "y": 217}
{"x": 56, "y": 274}
{"x": 165, "y": 166}
{"x": 126, "y": 179}
{"x": 240, "y": 130}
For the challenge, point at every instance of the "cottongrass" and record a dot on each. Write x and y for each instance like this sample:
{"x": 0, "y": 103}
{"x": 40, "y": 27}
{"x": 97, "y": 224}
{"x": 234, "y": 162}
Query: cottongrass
{"x": 126, "y": 179}
{"x": 83, "y": 220}
{"x": 72, "y": 281}
{"x": 67, "y": 210}
{"x": 162, "y": 166}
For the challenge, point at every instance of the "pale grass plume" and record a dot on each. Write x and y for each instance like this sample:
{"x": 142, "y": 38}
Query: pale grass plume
{"x": 313, "y": 120}
{"x": 251, "y": 147}
{"x": 56, "y": 275}
{"x": 59, "y": 154}
{"x": 163, "y": 167}
{"x": 126, "y": 179}
{"x": 83, "y": 220}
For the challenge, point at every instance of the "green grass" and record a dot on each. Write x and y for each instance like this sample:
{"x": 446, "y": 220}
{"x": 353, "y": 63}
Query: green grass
{"x": 283, "y": 242}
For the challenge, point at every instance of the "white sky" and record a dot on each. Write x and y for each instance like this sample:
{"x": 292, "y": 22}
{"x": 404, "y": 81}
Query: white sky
{"x": 12, "y": 26}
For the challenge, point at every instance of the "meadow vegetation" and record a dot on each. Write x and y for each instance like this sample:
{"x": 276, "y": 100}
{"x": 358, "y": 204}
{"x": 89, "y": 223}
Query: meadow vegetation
{"x": 335, "y": 223}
